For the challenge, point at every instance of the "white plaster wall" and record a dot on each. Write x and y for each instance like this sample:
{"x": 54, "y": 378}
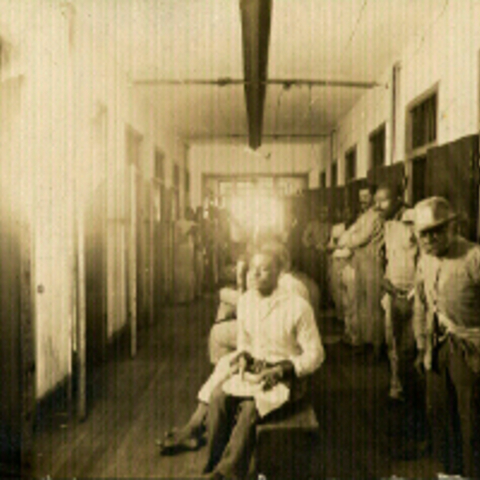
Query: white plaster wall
{"x": 447, "y": 53}
{"x": 237, "y": 159}
{"x": 61, "y": 80}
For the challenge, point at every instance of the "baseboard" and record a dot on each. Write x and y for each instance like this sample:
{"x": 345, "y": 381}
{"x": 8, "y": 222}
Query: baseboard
{"x": 56, "y": 400}
{"x": 118, "y": 344}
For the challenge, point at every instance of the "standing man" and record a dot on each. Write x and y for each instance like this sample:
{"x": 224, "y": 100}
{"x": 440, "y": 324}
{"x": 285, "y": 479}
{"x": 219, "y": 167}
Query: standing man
{"x": 447, "y": 331}
{"x": 277, "y": 338}
{"x": 366, "y": 198}
{"x": 342, "y": 273}
{"x": 366, "y": 238}
{"x": 401, "y": 255}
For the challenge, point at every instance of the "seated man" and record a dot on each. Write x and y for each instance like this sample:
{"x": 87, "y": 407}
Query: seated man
{"x": 224, "y": 332}
{"x": 189, "y": 437}
{"x": 278, "y": 339}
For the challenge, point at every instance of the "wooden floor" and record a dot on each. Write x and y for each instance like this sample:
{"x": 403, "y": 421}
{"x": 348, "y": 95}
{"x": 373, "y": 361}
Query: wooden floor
{"x": 135, "y": 401}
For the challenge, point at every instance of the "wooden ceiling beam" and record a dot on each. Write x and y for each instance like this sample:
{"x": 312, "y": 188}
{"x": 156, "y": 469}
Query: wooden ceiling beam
{"x": 256, "y": 17}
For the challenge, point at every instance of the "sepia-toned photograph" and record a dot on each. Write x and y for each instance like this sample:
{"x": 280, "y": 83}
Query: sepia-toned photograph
{"x": 239, "y": 239}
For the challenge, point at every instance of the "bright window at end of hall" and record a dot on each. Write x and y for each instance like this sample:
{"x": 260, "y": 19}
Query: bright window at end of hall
{"x": 258, "y": 211}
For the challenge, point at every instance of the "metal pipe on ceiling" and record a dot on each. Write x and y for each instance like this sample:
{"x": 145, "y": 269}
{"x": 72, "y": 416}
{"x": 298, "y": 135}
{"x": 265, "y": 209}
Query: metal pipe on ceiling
{"x": 286, "y": 82}
{"x": 274, "y": 136}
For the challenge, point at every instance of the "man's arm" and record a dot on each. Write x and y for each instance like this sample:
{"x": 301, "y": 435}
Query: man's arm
{"x": 243, "y": 357}
{"x": 362, "y": 232}
{"x": 419, "y": 310}
{"x": 473, "y": 265}
{"x": 420, "y": 318}
{"x": 308, "y": 338}
{"x": 243, "y": 337}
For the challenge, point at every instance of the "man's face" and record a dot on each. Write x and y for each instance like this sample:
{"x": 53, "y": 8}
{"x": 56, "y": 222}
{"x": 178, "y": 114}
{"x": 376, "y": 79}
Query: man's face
{"x": 436, "y": 240}
{"x": 365, "y": 198}
{"x": 263, "y": 274}
{"x": 385, "y": 203}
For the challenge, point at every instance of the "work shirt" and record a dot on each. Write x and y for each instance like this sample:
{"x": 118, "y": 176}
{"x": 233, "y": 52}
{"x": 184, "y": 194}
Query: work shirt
{"x": 279, "y": 327}
{"x": 401, "y": 253}
{"x": 365, "y": 234}
{"x": 448, "y": 287}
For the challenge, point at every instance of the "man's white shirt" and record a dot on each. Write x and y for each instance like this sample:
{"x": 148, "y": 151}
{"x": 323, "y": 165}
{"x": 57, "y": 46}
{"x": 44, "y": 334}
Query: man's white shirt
{"x": 280, "y": 327}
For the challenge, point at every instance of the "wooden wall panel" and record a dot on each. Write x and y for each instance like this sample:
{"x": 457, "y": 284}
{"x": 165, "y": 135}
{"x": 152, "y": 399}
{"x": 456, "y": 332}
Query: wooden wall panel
{"x": 391, "y": 175}
{"x": 452, "y": 171}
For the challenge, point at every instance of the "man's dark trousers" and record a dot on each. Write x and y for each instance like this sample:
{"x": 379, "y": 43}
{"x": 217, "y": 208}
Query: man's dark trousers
{"x": 453, "y": 405}
{"x": 231, "y": 434}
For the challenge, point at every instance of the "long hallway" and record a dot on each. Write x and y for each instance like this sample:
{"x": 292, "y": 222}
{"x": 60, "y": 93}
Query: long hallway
{"x": 132, "y": 402}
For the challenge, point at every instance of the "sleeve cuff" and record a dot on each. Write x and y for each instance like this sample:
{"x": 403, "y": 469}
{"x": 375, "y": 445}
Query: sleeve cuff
{"x": 297, "y": 366}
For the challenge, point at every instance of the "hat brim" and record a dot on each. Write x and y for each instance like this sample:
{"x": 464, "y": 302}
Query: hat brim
{"x": 432, "y": 226}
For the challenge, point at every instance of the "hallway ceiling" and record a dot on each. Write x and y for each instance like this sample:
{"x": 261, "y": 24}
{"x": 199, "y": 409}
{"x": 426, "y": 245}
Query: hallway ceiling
{"x": 354, "y": 40}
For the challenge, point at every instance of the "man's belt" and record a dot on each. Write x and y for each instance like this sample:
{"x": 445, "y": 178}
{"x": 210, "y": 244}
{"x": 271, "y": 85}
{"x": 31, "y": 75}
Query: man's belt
{"x": 400, "y": 292}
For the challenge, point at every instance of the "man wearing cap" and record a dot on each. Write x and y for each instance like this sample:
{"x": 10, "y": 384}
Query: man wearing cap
{"x": 447, "y": 332}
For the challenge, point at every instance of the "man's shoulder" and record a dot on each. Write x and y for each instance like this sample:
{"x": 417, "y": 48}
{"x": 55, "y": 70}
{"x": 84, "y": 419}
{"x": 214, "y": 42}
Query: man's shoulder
{"x": 293, "y": 300}
{"x": 470, "y": 250}
{"x": 246, "y": 296}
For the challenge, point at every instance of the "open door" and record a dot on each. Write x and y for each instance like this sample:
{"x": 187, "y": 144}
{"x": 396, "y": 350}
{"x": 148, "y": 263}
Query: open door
{"x": 17, "y": 355}
{"x": 95, "y": 238}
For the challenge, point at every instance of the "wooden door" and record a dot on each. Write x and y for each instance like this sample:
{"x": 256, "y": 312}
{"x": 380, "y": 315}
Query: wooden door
{"x": 17, "y": 356}
{"x": 452, "y": 171}
{"x": 95, "y": 232}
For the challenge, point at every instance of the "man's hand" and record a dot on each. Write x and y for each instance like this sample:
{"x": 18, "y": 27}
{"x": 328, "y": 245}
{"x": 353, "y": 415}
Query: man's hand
{"x": 419, "y": 363}
{"x": 388, "y": 286}
{"x": 241, "y": 361}
{"x": 271, "y": 376}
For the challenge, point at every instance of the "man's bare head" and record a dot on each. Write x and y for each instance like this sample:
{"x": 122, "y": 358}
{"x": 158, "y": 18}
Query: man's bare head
{"x": 266, "y": 265}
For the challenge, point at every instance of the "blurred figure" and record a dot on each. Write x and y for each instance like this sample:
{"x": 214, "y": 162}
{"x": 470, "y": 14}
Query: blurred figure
{"x": 335, "y": 266}
{"x": 315, "y": 240}
{"x": 223, "y": 334}
{"x": 184, "y": 272}
{"x": 447, "y": 332}
{"x": 199, "y": 252}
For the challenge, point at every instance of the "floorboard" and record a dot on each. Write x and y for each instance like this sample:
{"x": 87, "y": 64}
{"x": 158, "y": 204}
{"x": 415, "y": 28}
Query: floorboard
{"x": 133, "y": 401}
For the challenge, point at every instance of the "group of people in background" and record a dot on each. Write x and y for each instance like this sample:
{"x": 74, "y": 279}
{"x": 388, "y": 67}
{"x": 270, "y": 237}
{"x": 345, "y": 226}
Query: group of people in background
{"x": 406, "y": 279}
{"x": 201, "y": 251}
{"x": 402, "y": 280}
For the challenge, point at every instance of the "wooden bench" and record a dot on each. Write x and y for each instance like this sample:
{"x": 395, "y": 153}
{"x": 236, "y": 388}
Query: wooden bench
{"x": 287, "y": 443}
